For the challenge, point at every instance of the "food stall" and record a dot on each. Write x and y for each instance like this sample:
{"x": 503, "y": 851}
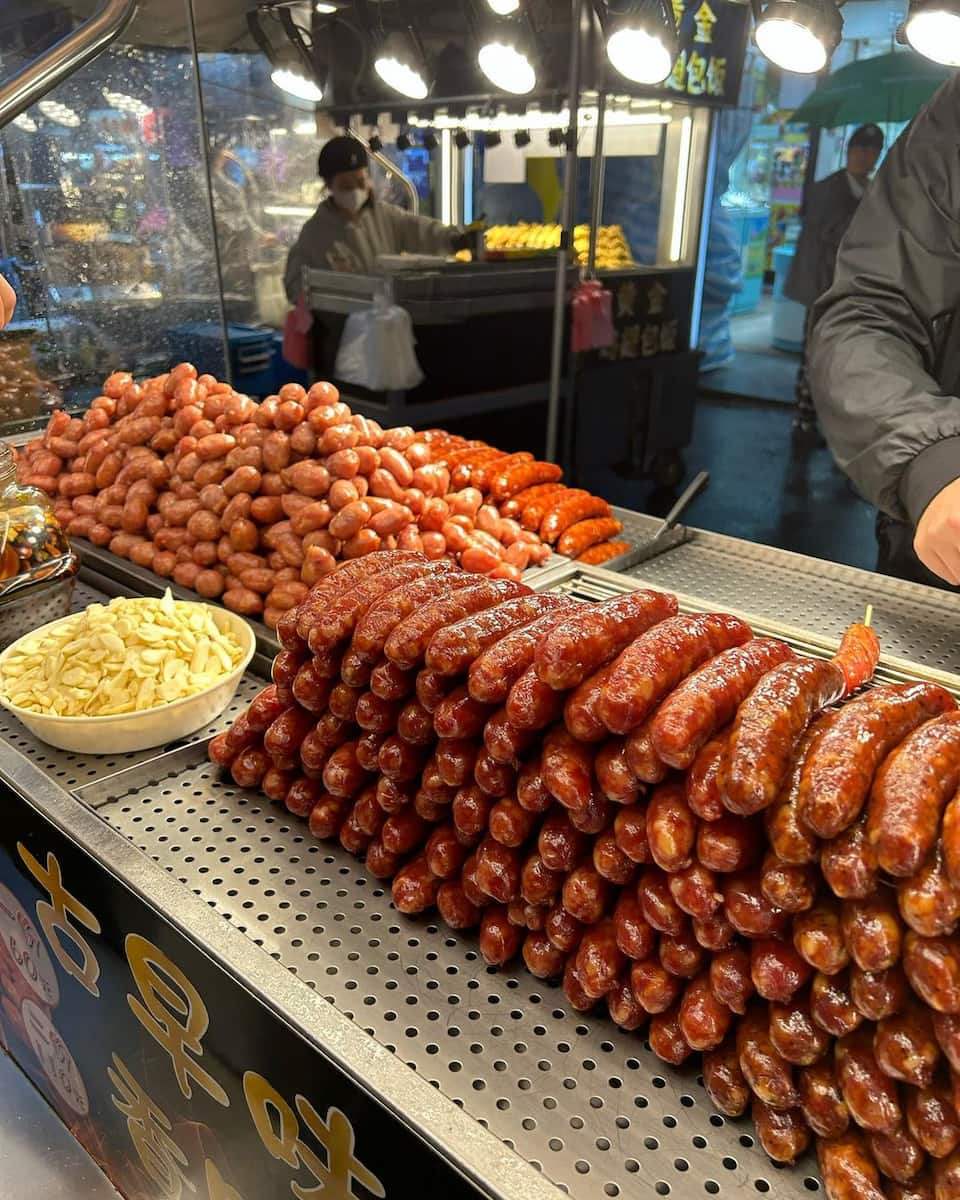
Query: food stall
{"x": 346, "y": 835}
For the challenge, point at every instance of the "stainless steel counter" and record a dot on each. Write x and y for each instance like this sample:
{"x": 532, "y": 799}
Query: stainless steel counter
{"x": 527, "y": 1095}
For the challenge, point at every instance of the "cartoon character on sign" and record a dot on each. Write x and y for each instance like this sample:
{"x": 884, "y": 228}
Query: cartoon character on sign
{"x": 55, "y": 1058}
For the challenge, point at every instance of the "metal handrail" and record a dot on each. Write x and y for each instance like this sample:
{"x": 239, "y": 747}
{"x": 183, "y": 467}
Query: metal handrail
{"x": 68, "y": 55}
{"x": 388, "y": 165}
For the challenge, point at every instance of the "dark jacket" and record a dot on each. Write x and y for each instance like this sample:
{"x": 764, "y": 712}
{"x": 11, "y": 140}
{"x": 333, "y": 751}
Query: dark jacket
{"x": 830, "y": 207}
{"x": 885, "y": 353}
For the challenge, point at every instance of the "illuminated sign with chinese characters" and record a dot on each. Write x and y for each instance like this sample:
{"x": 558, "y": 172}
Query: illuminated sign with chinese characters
{"x": 713, "y": 38}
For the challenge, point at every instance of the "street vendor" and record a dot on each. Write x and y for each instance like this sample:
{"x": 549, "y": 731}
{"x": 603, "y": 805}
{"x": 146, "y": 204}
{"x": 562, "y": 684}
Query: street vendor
{"x": 351, "y": 227}
{"x": 885, "y": 354}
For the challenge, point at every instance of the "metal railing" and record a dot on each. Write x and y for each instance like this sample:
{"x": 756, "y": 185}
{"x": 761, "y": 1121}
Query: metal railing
{"x": 66, "y": 56}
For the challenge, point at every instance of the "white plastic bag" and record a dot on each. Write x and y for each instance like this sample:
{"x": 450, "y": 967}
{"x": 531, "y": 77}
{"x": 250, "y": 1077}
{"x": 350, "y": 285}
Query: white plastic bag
{"x": 377, "y": 349}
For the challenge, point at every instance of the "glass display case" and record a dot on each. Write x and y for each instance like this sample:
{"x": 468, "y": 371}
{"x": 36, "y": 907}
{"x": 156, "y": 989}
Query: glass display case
{"x": 105, "y": 222}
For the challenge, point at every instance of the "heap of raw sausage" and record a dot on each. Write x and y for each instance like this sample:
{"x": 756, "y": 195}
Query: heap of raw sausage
{"x": 253, "y": 503}
{"x": 569, "y": 780}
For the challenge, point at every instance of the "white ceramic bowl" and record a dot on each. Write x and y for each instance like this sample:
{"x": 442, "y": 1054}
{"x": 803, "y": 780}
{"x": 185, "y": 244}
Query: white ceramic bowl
{"x": 138, "y": 730}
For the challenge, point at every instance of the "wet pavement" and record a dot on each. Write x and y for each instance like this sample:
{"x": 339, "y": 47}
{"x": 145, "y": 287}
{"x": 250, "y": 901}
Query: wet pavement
{"x": 769, "y": 486}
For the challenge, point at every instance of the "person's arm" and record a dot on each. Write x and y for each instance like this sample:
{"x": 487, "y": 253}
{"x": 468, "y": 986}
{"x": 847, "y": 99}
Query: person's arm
{"x": 8, "y": 302}
{"x": 293, "y": 272}
{"x": 422, "y": 235}
{"x": 878, "y": 332}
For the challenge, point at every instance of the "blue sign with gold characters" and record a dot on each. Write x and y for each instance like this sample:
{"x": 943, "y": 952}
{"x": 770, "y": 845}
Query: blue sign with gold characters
{"x": 713, "y": 40}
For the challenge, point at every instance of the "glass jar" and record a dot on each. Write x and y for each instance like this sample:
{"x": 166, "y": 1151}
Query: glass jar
{"x": 31, "y": 539}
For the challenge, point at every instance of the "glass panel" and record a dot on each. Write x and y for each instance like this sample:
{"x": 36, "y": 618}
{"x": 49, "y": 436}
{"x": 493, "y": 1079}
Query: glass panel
{"x": 105, "y": 224}
{"x": 654, "y": 157}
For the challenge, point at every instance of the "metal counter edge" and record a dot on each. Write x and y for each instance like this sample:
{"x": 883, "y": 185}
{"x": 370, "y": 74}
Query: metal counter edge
{"x": 473, "y": 1150}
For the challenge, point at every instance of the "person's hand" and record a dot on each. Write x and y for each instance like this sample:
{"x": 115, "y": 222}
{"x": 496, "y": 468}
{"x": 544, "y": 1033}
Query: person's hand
{"x": 937, "y": 540}
{"x": 8, "y": 301}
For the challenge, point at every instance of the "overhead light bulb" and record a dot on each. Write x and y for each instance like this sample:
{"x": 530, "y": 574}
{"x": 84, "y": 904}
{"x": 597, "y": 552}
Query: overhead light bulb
{"x": 506, "y": 65}
{"x": 799, "y": 35}
{"x": 401, "y": 69}
{"x": 503, "y": 8}
{"x": 325, "y": 10}
{"x": 642, "y": 44}
{"x": 933, "y": 30}
{"x": 295, "y": 83}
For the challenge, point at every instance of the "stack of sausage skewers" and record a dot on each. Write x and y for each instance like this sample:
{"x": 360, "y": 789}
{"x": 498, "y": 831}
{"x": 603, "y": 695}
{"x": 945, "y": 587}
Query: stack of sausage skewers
{"x": 735, "y": 849}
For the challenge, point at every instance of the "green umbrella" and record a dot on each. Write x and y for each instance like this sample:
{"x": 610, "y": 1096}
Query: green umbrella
{"x": 882, "y": 90}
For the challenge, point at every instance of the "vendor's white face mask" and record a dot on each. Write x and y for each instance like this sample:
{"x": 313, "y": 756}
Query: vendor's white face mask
{"x": 351, "y": 201}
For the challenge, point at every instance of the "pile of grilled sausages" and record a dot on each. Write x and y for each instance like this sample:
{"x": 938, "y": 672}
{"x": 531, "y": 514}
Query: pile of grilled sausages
{"x": 252, "y": 503}
{"x": 690, "y": 824}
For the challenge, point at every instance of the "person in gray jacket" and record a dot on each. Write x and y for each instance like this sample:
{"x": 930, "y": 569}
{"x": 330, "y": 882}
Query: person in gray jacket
{"x": 885, "y": 353}
{"x": 351, "y": 227}
{"x": 829, "y": 207}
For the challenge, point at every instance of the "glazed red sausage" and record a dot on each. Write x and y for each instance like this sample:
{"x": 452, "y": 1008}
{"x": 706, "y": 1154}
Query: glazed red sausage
{"x": 849, "y": 865}
{"x": 870, "y": 1096}
{"x": 929, "y": 902}
{"x": 768, "y": 729}
{"x": 701, "y": 780}
{"x": 453, "y": 649}
{"x": 783, "y": 1132}
{"x": 659, "y": 659}
{"x": 872, "y": 931}
{"x": 794, "y": 1033}
{"x": 840, "y": 769}
{"x": 818, "y": 937}
{"x": 495, "y": 670}
{"x": 407, "y": 643}
{"x": 709, "y": 698}
{"x": 879, "y": 994}
{"x": 831, "y": 1004}
{"x": 932, "y": 1119}
{"x": 724, "y": 1081}
{"x": 704, "y": 1019}
{"x": 906, "y": 1046}
{"x": 770, "y": 1077}
{"x": 848, "y": 1169}
{"x": 730, "y": 978}
{"x": 932, "y": 966}
{"x": 821, "y": 1100}
{"x": 910, "y": 793}
{"x": 671, "y": 828}
{"x": 585, "y": 641}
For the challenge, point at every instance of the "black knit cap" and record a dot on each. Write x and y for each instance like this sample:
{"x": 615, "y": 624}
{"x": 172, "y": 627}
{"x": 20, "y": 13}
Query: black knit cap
{"x": 341, "y": 154}
{"x": 869, "y": 137}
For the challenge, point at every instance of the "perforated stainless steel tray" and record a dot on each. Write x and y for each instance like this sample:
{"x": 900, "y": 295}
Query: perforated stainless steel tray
{"x": 587, "y": 1104}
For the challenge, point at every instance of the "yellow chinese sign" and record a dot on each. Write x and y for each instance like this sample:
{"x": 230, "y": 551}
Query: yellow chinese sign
{"x": 712, "y": 36}
{"x": 277, "y": 1125}
{"x": 172, "y": 1011}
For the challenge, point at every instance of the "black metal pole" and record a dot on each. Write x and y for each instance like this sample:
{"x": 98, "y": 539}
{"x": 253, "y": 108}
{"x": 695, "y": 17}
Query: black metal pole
{"x": 566, "y": 233}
